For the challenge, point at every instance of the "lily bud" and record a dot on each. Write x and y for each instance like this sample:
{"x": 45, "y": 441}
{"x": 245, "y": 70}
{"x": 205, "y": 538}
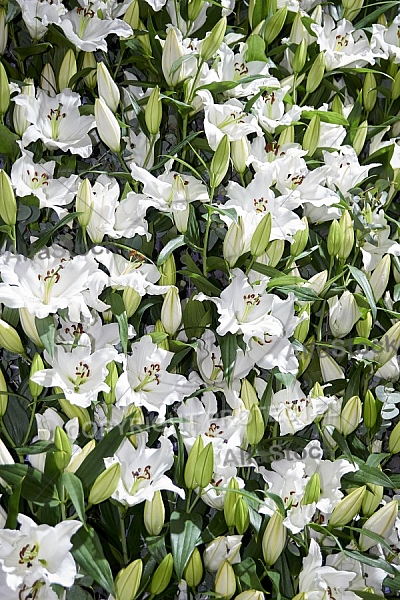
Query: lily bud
{"x": 105, "y": 484}
{"x": 225, "y": 582}
{"x": 351, "y": 8}
{"x": 248, "y": 394}
{"x": 72, "y": 410}
{"x": 347, "y": 235}
{"x": 370, "y": 410}
{"x": 380, "y": 277}
{"x": 287, "y": 136}
{"x": 212, "y": 42}
{"x": 67, "y": 70}
{"x": 171, "y": 311}
{"x": 348, "y": 508}
{"x": 111, "y": 380}
{"x": 108, "y": 89}
{"x": 4, "y": 90}
{"x": 131, "y": 299}
{"x": 274, "y": 539}
{"x": 299, "y": 58}
{"x": 369, "y": 91}
{"x": 312, "y": 490}
{"x": 317, "y": 282}
{"x": 382, "y": 523}
{"x": 89, "y": 62}
{"x": 329, "y": 368}
{"x": 301, "y": 331}
{"x": 364, "y": 326}
{"x": 240, "y": 151}
{"x": 250, "y": 595}
{"x": 343, "y": 314}
{"x": 48, "y": 80}
{"x": 390, "y": 342}
{"x": 242, "y": 517}
{"x": 350, "y": 416}
{"x": 395, "y": 93}
{"x": 204, "y": 467}
{"x": 37, "y": 365}
{"x": 3, "y": 395}
{"x": 84, "y": 203}
{"x": 28, "y": 324}
{"x": 220, "y": 162}
{"x": 78, "y": 460}
{"x": 162, "y": 575}
{"x": 153, "y": 111}
{"x": 360, "y": 137}
{"x": 131, "y": 15}
{"x": 300, "y": 239}
{"x": 230, "y": 501}
{"x": 107, "y": 125}
{"x": 316, "y": 73}
{"x": 136, "y": 418}
{"x": 372, "y": 499}
{"x": 159, "y": 328}
{"x": 337, "y": 105}
{"x": 394, "y": 440}
{"x": 154, "y": 514}
{"x": 190, "y": 480}
{"x": 306, "y": 355}
{"x": 63, "y": 454}
{"x": 19, "y": 114}
{"x": 275, "y": 25}
{"x": 261, "y": 235}
{"x": 311, "y": 135}
{"x": 334, "y": 240}
{"x": 3, "y": 30}
{"x": 193, "y": 573}
{"x": 127, "y": 582}
{"x": 255, "y": 426}
{"x": 172, "y": 52}
{"x": 168, "y": 271}
{"x": 233, "y": 244}
{"x": 8, "y": 204}
{"x": 274, "y": 251}
{"x": 9, "y": 338}
{"x": 194, "y": 7}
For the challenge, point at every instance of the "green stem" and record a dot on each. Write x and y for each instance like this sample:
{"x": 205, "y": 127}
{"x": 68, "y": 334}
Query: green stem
{"x": 207, "y": 234}
{"x": 28, "y": 433}
{"x": 123, "y": 534}
{"x": 148, "y": 155}
{"x": 121, "y": 160}
{"x": 6, "y": 434}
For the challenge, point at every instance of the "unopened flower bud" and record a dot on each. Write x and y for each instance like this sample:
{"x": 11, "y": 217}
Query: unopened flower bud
{"x": 3, "y": 30}
{"x": 233, "y": 244}
{"x": 76, "y": 462}
{"x": 107, "y": 125}
{"x": 131, "y": 15}
{"x": 162, "y": 575}
{"x": 337, "y": 105}
{"x": 72, "y": 410}
{"x": 204, "y": 467}
{"x": 63, "y": 454}
{"x": 275, "y": 25}
{"x": 172, "y": 52}
{"x": 372, "y": 499}
{"x": 136, "y": 418}
{"x": 171, "y": 311}
{"x": 360, "y": 137}
{"x": 37, "y": 365}
{"x": 190, "y": 480}
{"x": 343, "y": 314}
{"x": 348, "y": 508}
{"x": 67, "y": 70}
{"x": 311, "y": 135}
{"x": 212, "y": 42}
{"x": 220, "y": 162}
{"x": 255, "y": 426}
{"x": 260, "y": 238}
{"x": 347, "y": 235}
{"x": 193, "y": 573}
{"x": 286, "y": 136}
{"x": 329, "y": 368}
{"x": 48, "y": 80}
{"x": 9, "y": 338}
{"x": 380, "y": 277}
{"x": 334, "y": 240}
{"x": 19, "y": 114}
{"x": 84, "y": 203}
{"x": 364, "y": 326}
{"x": 275, "y": 251}
{"x": 370, "y": 410}
{"x": 306, "y": 355}
{"x": 312, "y": 490}
{"x": 350, "y": 416}
{"x": 105, "y": 484}
{"x": 299, "y": 58}
{"x": 4, "y": 90}
{"x": 194, "y": 7}
{"x": 382, "y": 523}
{"x": 248, "y": 394}
{"x": 168, "y": 271}
{"x": 159, "y": 328}
{"x": 351, "y": 8}
{"x": 127, "y": 582}
{"x": 89, "y": 62}
{"x": 8, "y": 204}
{"x": 230, "y": 501}
{"x": 242, "y": 517}
{"x": 317, "y": 282}
{"x": 3, "y": 395}
{"x": 316, "y": 73}
{"x": 369, "y": 92}
{"x": 240, "y": 151}
{"x": 153, "y": 111}
{"x": 390, "y": 342}
{"x": 274, "y": 539}
{"x": 154, "y": 514}
{"x": 225, "y": 582}
{"x": 131, "y": 299}
{"x": 300, "y": 239}
{"x": 250, "y": 595}
{"x": 108, "y": 89}
{"x": 301, "y": 331}
{"x": 394, "y": 440}
{"x": 111, "y": 380}
{"x": 395, "y": 93}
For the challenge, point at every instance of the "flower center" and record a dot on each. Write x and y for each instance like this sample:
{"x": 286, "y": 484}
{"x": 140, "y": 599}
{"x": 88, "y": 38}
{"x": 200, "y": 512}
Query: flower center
{"x": 240, "y": 70}
{"x": 342, "y": 42}
{"x": 27, "y": 554}
{"x": 85, "y": 14}
{"x": 55, "y": 117}
{"x": 49, "y": 280}
{"x": 82, "y": 374}
{"x": 139, "y": 476}
{"x": 38, "y": 181}
{"x": 30, "y": 593}
{"x": 151, "y": 374}
{"x": 260, "y": 204}
{"x": 233, "y": 118}
{"x": 298, "y": 405}
{"x": 250, "y": 301}
{"x": 217, "y": 368}
{"x": 214, "y": 430}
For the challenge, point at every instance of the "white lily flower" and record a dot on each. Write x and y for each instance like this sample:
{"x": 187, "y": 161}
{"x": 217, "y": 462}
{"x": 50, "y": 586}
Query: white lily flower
{"x": 381, "y": 242}
{"x": 57, "y": 122}
{"x": 345, "y": 171}
{"x": 100, "y": 335}
{"x": 79, "y": 373}
{"x": 271, "y": 112}
{"x": 143, "y": 470}
{"x": 343, "y": 314}
{"x": 366, "y": 575}
{"x": 50, "y": 281}
{"x": 224, "y": 547}
{"x": 385, "y": 40}
{"x": 39, "y": 589}
{"x": 83, "y": 27}
{"x": 38, "y": 14}
{"x": 40, "y": 551}
{"x": 38, "y": 179}
{"x": 46, "y": 427}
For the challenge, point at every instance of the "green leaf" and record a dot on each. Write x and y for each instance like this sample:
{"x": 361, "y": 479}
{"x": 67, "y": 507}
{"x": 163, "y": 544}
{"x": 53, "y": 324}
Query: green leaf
{"x": 185, "y": 531}
{"x": 228, "y": 345}
{"x": 246, "y": 571}
{"x": 118, "y": 310}
{"x": 255, "y": 48}
{"x": 46, "y": 329}
{"x": 325, "y": 116}
{"x": 74, "y": 487}
{"x": 46, "y": 237}
{"x": 175, "y": 150}
{"x": 373, "y": 16}
{"x": 88, "y": 553}
{"x": 284, "y": 280}
{"x": 367, "y": 474}
{"x": 35, "y": 487}
{"x": 169, "y": 248}
{"x": 13, "y": 507}
{"x": 32, "y": 49}
{"x": 229, "y": 212}
{"x": 8, "y": 142}
{"x": 202, "y": 283}
{"x": 39, "y": 447}
{"x": 363, "y": 282}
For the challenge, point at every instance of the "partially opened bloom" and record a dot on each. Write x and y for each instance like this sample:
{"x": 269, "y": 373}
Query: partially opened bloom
{"x": 271, "y": 111}
{"x": 38, "y": 14}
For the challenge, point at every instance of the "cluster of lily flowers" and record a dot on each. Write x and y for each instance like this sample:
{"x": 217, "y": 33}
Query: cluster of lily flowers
{"x": 200, "y": 300}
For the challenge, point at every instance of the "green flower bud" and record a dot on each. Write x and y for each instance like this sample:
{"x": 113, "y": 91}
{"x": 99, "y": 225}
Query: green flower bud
{"x": 9, "y": 338}
{"x": 4, "y": 90}
{"x": 240, "y": 151}
{"x": 212, "y": 42}
{"x": 172, "y": 52}
{"x": 312, "y": 490}
{"x": 194, "y": 8}
{"x": 316, "y": 73}
{"x": 153, "y": 111}
{"x": 275, "y": 25}
{"x": 248, "y": 394}
{"x": 162, "y": 576}
{"x": 348, "y": 508}
{"x": 242, "y": 518}
{"x": 225, "y": 582}
{"x": 233, "y": 244}
{"x": 131, "y": 16}
{"x": 37, "y": 365}
{"x": 360, "y": 137}
{"x": 250, "y": 595}
{"x": 369, "y": 92}
{"x": 364, "y": 326}
{"x": 72, "y": 410}
{"x": 105, "y": 484}
{"x": 89, "y": 62}
{"x": 159, "y": 328}
{"x": 347, "y": 235}
{"x": 189, "y": 475}
{"x": 168, "y": 271}
{"x": 255, "y": 426}
{"x": 204, "y": 467}
{"x": 127, "y": 582}
{"x": 305, "y": 356}
{"x": 3, "y": 395}
{"x": 300, "y": 239}
{"x": 108, "y": 89}
{"x": 3, "y": 30}
{"x": 111, "y": 380}
{"x": 171, "y": 311}
{"x": 230, "y": 501}
{"x": 193, "y": 573}
{"x": 350, "y": 416}
{"x": 19, "y": 114}
{"x": 334, "y": 238}
{"x": 395, "y": 92}
{"x": 76, "y": 462}
{"x": 301, "y": 331}
{"x": 67, "y": 70}
{"x": 382, "y": 523}
{"x": 390, "y": 342}
{"x": 220, "y": 162}
{"x": 299, "y": 58}
{"x": 154, "y": 514}
{"x": 63, "y": 454}
{"x": 274, "y": 251}
{"x": 8, "y": 204}
{"x": 351, "y": 8}
{"x": 329, "y": 368}
{"x": 372, "y": 499}
{"x": 274, "y": 539}
{"x": 48, "y": 80}
{"x": 380, "y": 277}
{"x": 287, "y": 135}
{"x": 136, "y": 418}
{"x": 337, "y": 105}
{"x": 107, "y": 125}
{"x": 311, "y": 136}
{"x": 394, "y": 440}
{"x": 261, "y": 235}
{"x": 84, "y": 203}
{"x": 370, "y": 410}
{"x": 131, "y": 299}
